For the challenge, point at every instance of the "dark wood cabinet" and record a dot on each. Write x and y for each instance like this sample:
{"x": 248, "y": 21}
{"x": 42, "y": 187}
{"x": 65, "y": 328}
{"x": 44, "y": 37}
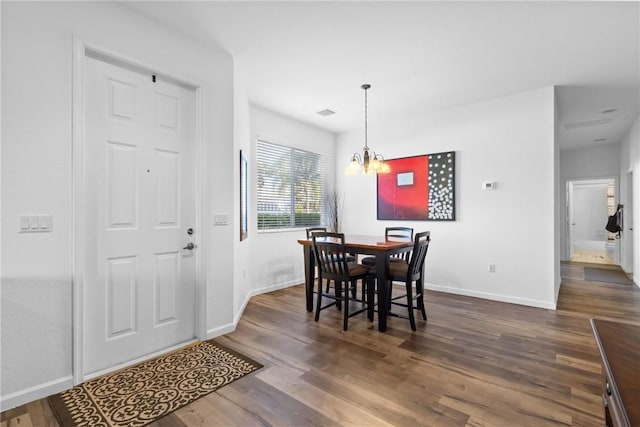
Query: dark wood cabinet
{"x": 619, "y": 345}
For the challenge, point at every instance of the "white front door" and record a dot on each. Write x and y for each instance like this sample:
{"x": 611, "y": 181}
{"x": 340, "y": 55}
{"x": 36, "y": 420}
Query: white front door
{"x": 139, "y": 282}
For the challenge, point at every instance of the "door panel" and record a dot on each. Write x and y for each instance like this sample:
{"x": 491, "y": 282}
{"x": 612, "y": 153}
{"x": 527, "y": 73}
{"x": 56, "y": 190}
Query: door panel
{"x": 120, "y": 299}
{"x": 122, "y": 185}
{"x": 167, "y": 279}
{"x": 139, "y": 284}
{"x": 168, "y": 188}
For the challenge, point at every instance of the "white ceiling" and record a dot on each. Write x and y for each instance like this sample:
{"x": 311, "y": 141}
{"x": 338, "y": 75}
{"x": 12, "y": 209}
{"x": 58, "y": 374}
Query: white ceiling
{"x": 299, "y": 57}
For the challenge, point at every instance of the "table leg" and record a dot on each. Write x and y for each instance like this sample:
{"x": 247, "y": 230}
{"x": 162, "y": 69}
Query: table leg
{"x": 309, "y": 275}
{"x": 382, "y": 271}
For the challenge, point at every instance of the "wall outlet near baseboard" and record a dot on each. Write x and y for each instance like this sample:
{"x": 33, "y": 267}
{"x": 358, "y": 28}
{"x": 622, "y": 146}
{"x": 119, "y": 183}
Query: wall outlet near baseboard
{"x": 489, "y": 185}
{"x": 492, "y": 268}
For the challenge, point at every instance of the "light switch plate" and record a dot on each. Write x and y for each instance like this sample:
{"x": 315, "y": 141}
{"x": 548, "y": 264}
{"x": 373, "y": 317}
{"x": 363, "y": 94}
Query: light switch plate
{"x": 221, "y": 219}
{"x": 41, "y": 223}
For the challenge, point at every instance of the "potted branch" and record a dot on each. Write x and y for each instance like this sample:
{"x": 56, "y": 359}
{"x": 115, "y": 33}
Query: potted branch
{"x": 334, "y": 210}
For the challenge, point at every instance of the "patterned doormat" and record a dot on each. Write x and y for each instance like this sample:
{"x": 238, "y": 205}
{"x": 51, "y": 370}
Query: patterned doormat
{"x": 140, "y": 394}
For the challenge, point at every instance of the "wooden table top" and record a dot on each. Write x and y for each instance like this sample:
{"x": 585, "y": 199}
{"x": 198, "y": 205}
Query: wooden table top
{"x": 354, "y": 241}
{"x": 619, "y": 345}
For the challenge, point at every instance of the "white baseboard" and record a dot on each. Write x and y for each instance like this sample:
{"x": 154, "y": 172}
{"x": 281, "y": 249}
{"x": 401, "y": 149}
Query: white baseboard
{"x": 221, "y": 330}
{"x": 36, "y": 392}
{"x": 225, "y": 329}
{"x": 490, "y": 296}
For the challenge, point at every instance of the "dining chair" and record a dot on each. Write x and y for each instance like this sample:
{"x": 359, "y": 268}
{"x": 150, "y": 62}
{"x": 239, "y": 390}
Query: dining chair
{"x": 331, "y": 259}
{"x": 393, "y": 233}
{"x": 350, "y": 257}
{"x": 410, "y": 273}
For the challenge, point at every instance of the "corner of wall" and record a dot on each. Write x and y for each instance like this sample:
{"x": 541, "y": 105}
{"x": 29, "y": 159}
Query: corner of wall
{"x": 558, "y": 191}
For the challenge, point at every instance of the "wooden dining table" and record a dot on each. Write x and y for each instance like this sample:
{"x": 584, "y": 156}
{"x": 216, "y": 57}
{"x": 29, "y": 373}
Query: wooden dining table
{"x": 377, "y": 246}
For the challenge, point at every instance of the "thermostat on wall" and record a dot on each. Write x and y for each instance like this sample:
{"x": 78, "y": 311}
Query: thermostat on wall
{"x": 489, "y": 185}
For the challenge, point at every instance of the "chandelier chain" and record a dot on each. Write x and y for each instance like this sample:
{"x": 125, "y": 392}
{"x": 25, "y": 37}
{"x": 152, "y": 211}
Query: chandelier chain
{"x": 365, "y": 118}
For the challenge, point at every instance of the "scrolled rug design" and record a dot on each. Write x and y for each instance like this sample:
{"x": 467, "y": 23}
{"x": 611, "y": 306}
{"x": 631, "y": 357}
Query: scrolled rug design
{"x": 140, "y": 394}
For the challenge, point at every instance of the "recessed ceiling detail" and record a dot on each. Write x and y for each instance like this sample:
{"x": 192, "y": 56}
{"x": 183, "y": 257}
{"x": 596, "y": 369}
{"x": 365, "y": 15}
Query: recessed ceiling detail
{"x": 326, "y": 112}
{"x": 588, "y": 123}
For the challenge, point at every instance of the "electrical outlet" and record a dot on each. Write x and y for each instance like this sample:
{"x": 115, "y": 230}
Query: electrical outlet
{"x": 492, "y": 268}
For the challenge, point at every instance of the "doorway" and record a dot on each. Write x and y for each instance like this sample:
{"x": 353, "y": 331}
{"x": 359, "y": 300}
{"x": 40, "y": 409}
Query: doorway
{"x": 136, "y": 192}
{"x": 590, "y": 202}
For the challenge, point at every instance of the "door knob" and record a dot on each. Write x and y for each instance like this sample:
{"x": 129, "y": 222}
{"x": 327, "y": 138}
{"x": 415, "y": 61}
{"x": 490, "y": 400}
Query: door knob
{"x": 190, "y": 246}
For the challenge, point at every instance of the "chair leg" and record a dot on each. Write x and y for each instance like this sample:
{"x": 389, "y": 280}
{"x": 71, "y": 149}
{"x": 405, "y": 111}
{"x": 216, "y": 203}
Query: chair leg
{"x": 319, "y": 302}
{"x": 346, "y": 307}
{"x": 420, "y": 298}
{"x": 412, "y": 320}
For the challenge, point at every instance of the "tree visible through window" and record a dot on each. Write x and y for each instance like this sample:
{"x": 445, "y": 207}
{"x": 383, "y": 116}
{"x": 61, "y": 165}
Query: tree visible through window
{"x": 290, "y": 187}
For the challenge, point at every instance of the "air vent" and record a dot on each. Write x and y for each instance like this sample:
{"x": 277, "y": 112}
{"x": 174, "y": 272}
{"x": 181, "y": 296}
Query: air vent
{"x": 600, "y": 140}
{"x": 326, "y": 112}
{"x": 610, "y": 110}
{"x": 589, "y": 123}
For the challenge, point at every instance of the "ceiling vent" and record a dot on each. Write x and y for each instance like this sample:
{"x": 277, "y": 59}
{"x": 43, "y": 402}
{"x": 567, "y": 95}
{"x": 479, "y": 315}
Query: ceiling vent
{"x": 326, "y": 112}
{"x": 589, "y": 123}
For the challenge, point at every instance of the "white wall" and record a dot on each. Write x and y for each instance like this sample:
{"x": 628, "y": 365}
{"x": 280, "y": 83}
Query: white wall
{"x": 509, "y": 140}
{"x": 601, "y": 161}
{"x": 580, "y": 164}
{"x": 37, "y": 41}
{"x": 630, "y": 162}
{"x": 276, "y": 257}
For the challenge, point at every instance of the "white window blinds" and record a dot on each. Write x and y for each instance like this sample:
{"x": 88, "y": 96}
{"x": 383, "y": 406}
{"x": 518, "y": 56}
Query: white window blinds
{"x": 290, "y": 187}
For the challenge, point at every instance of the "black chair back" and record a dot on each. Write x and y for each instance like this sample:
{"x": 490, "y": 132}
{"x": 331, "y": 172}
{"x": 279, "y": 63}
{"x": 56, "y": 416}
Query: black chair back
{"x": 418, "y": 255}
{"x": 399, "y": 233}
{"x": 312, "y": 230}
{"x": 393, "y": 233}
{"x": 331, "y": 256}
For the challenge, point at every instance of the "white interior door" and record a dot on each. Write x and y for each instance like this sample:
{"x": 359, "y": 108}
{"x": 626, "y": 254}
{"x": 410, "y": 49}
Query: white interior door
{"x": 139, "y": 282}
{"x": 589, "y": 213}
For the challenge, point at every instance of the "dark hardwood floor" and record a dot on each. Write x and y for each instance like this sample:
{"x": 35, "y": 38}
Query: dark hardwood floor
{"x": 474, "y": 363}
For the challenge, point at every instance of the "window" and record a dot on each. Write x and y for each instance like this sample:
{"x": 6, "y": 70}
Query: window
{"x": 290, "y": 187}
